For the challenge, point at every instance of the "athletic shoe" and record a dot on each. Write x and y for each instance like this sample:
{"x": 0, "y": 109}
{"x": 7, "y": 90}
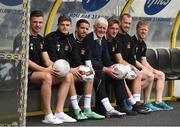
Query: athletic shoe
{"x": 163, "y": 106}
{"x": 79, "y": 115}
{"x": 151, "y": 107}
{"x": 129, "y": 112}
{"x": 124, "y": 106}
{"x": 140, "y": 109}
{"x": 64, "y": 117}
{"x": 92, "y": 115}
{"x": 51, "y": 119}
{"x": 114, "y": 113}
{"x": 127, "y": 105}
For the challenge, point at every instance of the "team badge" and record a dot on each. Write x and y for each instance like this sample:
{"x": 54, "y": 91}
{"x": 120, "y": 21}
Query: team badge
{"x": 128, "y": 45}
{"x": 113, "y": 49}
{"x": 58, "y": 47}
{"x": 82, "y": 51}
{"x": 66, "y": 48}
{"x": 143, "y": 49}
{"x": 31, "y": 46}
{"x": 41, "y": 46}
{"x": 136, "y": 49}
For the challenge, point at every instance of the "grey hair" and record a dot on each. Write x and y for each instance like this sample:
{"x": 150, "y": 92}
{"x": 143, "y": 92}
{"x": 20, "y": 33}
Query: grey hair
{"x": 101, "y": 20}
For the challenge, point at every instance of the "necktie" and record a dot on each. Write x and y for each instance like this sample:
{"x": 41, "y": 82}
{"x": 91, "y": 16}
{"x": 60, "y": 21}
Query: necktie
{"x": 99, "y": 47}
{"x": 99, "y": 41}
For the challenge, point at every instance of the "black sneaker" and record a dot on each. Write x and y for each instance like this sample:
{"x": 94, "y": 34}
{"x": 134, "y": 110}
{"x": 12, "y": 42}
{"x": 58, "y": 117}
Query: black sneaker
{"x": 141, "y": 109}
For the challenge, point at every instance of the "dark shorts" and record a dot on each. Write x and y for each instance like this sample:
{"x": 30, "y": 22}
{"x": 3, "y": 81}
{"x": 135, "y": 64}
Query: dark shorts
{"x": 30, "y": 72}
{"x": 129, "y": 83}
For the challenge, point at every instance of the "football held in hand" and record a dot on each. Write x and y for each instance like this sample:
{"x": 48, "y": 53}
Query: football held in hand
{"x": 121, "y": 70}
{"x": 62, "y": 66}
{"x": 86, "y": 72}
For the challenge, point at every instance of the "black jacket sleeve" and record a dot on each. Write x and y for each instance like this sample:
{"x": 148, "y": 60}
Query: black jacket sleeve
{"x": 75, "y": 59}
{"x": 105, "y": 55}
{"x": 50, "y": 47}
{"x": 132, "y": 52}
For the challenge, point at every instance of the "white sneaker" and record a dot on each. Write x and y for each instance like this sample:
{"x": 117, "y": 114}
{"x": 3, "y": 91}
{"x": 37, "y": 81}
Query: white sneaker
{"x": 64, "y": 117}
{"x": 114, "y": 112}
{"x": 51, "y": 119}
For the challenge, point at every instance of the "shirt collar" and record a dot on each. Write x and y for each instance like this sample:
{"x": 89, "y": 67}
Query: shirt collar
{"x": 95, "y": 36}
{"x": 62, "y": 34}
{"x": 33, "y": 36}
{"x": 138, "y": 39}
{"x": 136, "y": 36}
{"x": 74, "y": 35}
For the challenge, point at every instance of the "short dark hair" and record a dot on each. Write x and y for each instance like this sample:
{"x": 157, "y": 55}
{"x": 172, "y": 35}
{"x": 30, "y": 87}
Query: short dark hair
{"x": 64, "y": 18}
{"x": 81, "y": 21}
{"x": 36, "y": 13}
{"x": 113, "y": 20}
{"x": 124, "y": 14}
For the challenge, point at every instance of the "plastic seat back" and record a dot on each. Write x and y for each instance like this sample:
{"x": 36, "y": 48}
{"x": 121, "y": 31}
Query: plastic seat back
{"x": 164, "y": 60}
{"x": 151, "y": 56}
{"x": 175, "y": 59}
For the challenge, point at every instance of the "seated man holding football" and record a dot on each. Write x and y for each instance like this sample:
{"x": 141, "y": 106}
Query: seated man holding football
{"x": 84, "y": 82}
{"x": 154, "y": 76}
{"x": 42, "y": 74}
{"x": 61, "y": 45}
{"x": 95, "y": 44}
{"x": 115, "y": 54}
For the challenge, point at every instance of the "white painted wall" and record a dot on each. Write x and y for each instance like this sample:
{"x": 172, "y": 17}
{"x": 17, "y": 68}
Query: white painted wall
{"x": 177, "y": 88}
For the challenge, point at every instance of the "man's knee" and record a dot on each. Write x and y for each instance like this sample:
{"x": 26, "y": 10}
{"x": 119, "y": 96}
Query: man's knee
{"x": 147, "y": 75}
{"x": 69, "y": 77}
{"x": 150, "y": 76}
{"x": 47, "y": 77}
{"x": 161, "y": 75}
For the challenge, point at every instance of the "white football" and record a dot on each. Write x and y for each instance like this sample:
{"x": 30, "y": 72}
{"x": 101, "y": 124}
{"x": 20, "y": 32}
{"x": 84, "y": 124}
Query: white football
{"x": 121, "y": 70}
{"x": 62, "y": 66}
{"x": 131, "y": 74}
{"x": 86, "y": 73}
